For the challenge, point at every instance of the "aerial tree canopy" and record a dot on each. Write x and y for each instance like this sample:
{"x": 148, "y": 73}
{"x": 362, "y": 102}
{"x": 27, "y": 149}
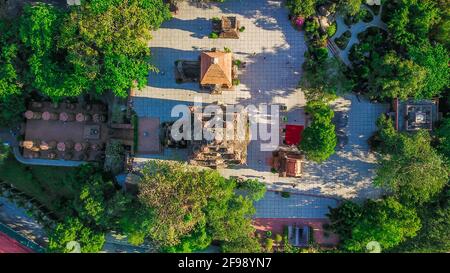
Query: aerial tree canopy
{"x": 412, "y": 21}
{"x": 9, "y": 77}
{"x": 107, "y": 40}
{"x": 434, "y": 59}
{"x": 350, "y": 7}
{"x": 385, "y": 221}
{"x": 303, "y": 8}
{"x": 191, "y": 207}
{"x": 319, "y": 138}
{"x": 414, "y": 172}
{"x": 443, "y": 135}
{"x": 73, "y": 230}
{"x": 434, "y": 236}
{"x": 395, "y": 77}
{"x": 99, "y": 46}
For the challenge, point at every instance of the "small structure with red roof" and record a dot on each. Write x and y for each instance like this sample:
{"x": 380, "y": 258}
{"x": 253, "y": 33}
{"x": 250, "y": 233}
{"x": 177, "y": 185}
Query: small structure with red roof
{"x": 216, "y": 69}
{"x": 288, "y": 162}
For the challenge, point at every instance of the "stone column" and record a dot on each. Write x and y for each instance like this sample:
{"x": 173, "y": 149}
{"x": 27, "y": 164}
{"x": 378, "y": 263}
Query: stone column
{"x": 48, "y": 145}
{"x": 80, "y": 146}
{"x": 80, "y": 117}
{"x": 32, "y": 115}
{"x": 49, "y": 116}
{"x": 66, "y": 116}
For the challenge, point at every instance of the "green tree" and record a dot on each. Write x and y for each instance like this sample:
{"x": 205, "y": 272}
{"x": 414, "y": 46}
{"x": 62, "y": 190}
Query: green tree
{"x": 319, "y": 138}
{"x": 100, "y": 46}
{"x": 4, "y": 152}
{"x": 70, "y": 230}
{"x": 191, "y": 208}
{"x": 107, "y": 41}
{"x": 254, "y": 189}
{"x": 412, "y": 21}
{"x": 11, "y": 110}
{"x": 434, "y": 236}
{"x": 247, "y": 244}
{"x": 48, "y": 73}
{"x": 394, "y": 77}
{"x": 9, "y": 77}
{"x": 388, "y": 135}
{"x": 350, "y": 7}
{"x": 442, "y": 28}
{"x": 435, "y": 60}
{"x": 415, "y": 173}
{"x": 386, "y": 221}
{"x": 443, "y": 135}
{"x": 323, "y": 78}
{"x": 303, "y": 8}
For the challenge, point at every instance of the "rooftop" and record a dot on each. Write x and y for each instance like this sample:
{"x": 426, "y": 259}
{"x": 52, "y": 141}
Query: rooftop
{"x": 216, "y": 68}
{"x": 413, "y": 115}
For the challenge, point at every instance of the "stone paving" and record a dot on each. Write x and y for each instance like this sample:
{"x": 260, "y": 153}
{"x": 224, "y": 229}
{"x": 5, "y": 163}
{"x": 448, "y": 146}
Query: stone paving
{"x": 273, "y": 51}
{"x": 350, "y": 171}
{"x": 273, "y": 205}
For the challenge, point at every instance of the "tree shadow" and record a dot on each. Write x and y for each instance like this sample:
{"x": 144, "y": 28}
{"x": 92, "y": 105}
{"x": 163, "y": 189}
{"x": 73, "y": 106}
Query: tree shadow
{"x": 198, "y": 28}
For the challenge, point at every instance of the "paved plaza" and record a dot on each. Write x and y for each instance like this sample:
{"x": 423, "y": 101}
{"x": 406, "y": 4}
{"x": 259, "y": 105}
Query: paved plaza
{"x": 273, "y": 52}
{"x": 273, "y": 205}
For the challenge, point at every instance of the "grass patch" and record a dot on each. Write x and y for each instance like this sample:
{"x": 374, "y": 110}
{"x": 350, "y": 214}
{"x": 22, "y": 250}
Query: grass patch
{"x": 51, "y": 186}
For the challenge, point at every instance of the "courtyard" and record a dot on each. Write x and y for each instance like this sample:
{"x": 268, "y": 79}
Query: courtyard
{"x": 273, "y": 53}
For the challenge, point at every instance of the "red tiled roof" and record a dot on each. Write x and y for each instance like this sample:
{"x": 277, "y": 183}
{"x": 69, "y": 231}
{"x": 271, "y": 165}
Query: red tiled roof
{"x": 293, "y": 134}
{"x": 216, "y": 68}
{"x": 9, "y": 245}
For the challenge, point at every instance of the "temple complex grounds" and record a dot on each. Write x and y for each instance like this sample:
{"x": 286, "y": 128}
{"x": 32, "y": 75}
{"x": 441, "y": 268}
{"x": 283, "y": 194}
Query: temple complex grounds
{"x": 270, "y": 53}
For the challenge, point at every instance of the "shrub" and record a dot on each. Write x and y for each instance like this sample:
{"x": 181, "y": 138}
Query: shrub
{"x": 114, "y": 160}
{"x": 269, "y": 244}
{"x": 331, "y": 30}
{"x": 237, "y": 63}
{"x": 319, "y": 139}
{"x": 268, "y": 234}
{"x": 343, "y": 40}
{"x": 312, "y": 26}
{"x": 236, "y": 82}
{"x": 278, "y": 238}
{"x": 242, "y": 29}
{"x": 285, "y": 194}
{"x": 213, "y": 35}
